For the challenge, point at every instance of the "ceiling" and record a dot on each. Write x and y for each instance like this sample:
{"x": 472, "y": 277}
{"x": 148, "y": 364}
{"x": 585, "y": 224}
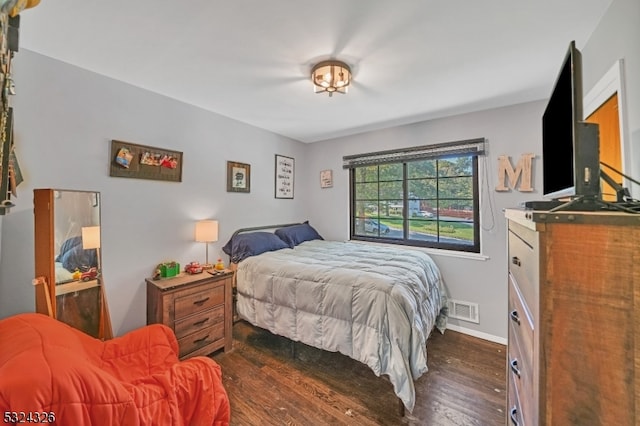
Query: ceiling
{"x": 250, "y": 60}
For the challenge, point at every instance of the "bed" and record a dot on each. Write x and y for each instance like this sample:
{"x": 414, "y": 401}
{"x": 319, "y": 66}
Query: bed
{"x": 63, "y": 275}
{"x": 373, "y": 303}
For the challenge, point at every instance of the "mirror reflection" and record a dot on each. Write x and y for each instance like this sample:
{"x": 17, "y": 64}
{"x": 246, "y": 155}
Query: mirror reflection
{"x": 77, "y": 262}
{"x": 69, "y": 282}
{"x": 76, "y": 237}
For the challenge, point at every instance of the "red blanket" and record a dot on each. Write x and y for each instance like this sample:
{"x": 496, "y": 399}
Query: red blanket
{"x": 50, "y": 369}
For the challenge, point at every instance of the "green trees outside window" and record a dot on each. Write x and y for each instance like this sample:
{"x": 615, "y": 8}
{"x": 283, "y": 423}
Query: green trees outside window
{"x": 427, "y": 202}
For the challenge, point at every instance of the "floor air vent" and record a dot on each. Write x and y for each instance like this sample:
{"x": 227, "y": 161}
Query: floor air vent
{"x": 465, "y": 311}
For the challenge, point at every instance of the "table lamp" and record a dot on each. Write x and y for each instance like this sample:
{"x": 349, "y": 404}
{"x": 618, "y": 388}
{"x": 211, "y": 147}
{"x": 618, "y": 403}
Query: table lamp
{"x": 207, "y": 232}
{"x": 91, "y": 240}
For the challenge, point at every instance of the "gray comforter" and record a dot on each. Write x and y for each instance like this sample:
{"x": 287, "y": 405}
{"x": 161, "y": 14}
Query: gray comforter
{"x": 375, "y": 304}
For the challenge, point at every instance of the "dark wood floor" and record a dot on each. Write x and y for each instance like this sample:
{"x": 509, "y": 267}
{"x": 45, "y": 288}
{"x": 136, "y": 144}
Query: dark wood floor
{"x": 465, "y": 384}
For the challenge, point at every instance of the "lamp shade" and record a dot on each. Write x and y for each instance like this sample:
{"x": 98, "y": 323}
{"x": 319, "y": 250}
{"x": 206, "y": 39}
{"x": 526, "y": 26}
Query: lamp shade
{"x": 90, "y": 237}
{"x": 206, "y": 231}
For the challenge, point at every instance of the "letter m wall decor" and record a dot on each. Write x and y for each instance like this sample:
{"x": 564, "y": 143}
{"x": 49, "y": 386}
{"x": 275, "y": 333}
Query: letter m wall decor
{"x": 522, "y": 172}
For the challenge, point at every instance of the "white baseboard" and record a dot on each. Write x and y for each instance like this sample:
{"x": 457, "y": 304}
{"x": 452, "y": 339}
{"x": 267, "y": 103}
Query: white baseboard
{"x": 478, "y": 334}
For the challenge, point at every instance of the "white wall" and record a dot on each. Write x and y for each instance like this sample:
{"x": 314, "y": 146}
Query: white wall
{"x": 509, "y": 131}
{"x": 65, "y": 118}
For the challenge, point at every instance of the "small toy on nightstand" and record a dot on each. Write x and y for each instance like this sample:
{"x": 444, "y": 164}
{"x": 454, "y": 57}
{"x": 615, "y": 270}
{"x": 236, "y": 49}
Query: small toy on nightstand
{"x": 77, "y": 274}
{"x": 193, "y": 268}
{"x": 219, "y": 265}
{"x": 89, "y": 274}
{"x": 218, "y": 268}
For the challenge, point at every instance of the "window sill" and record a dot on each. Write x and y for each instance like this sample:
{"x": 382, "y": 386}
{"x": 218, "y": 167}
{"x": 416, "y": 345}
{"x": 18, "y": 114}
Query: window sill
{"x": 432, "y": 251}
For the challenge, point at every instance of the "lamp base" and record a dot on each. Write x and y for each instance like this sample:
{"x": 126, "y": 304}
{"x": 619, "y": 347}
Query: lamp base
{"x": 207, "y": 266}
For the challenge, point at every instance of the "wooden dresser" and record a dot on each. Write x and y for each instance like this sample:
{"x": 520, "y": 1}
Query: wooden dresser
{"x": 198, "y": 309}
{"x": 574, "y": 318}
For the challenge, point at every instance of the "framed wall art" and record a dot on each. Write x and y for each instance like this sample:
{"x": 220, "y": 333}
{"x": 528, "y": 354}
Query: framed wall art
{"x": 238, "y": 177}
{"x": 326, "y": 179}
{"x": 6, "y": 148}
{"x": 144, "y": 162}
{"x": 284, "y": 175}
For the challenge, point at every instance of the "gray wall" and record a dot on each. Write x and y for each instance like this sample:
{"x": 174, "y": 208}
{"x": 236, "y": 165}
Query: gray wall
{"x": 65, "y": 119}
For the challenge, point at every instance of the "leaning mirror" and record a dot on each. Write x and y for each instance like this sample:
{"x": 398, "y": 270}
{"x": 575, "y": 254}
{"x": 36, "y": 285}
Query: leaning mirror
{"x": 69, "y": 281}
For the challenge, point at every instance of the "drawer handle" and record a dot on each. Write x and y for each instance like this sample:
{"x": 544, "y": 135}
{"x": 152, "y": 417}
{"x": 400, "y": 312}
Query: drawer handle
{"x": 198, "y": 341}
{"x": 512, "y": 414}
{"x": 514, "y": 367}
{"x": 200, "y": 302}
{"x": 514, "y": 316}
{"x": 516, "y": 261}
{"x": 199, "y": 323}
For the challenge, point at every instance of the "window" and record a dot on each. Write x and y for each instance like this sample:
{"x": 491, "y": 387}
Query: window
{"x": 425, "y": 196}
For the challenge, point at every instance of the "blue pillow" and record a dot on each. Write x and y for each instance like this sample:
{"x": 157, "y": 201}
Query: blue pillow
{"x": 68, "y": 245}
{"x": 296, "y": 234}
{"x": 80, "y": 259}
{"x": 242, "y": 246}
{"x": 73, "y": 256}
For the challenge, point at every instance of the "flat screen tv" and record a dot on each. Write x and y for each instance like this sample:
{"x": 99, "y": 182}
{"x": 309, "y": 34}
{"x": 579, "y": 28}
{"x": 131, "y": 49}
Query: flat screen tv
{"x": 570, "y": 147}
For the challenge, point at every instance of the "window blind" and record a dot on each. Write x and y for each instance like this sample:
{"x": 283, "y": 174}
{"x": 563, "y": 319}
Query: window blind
{"x": 439, "y": 150}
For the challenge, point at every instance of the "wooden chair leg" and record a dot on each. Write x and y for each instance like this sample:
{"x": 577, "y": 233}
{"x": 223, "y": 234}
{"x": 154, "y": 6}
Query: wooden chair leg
{"x": 43, "y": 297}
{"x": 106, "y": 330}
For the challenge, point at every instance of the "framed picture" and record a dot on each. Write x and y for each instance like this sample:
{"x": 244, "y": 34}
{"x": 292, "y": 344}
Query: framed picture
{"x": 6, "y": 148}
{"x": 326, "y": 179}
{"x": 284, "y": 174}
{"x": 238, "y": 177}
{"x": 144, "y": 162}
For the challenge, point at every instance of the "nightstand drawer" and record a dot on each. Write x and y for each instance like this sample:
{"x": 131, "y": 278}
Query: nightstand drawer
{"x": 201, "y": 339}
{"x": 200, "y": 301}
{"x": 199, "y": 321}
{"x": 197, "y": 308}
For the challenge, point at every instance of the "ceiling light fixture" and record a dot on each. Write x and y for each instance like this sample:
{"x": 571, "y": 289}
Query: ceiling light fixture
{"x": 331, "y": 77}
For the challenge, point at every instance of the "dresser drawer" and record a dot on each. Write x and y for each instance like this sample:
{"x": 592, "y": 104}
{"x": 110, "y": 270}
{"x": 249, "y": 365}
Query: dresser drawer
{"x": 202, "y": 338}
{"x": 520, "y": 371}
{"x": 514, "y": 411}
{"x": 199, "y": 321}
{"x": 523, "y": 264}
{"x": 521, "y": 326}
{"x": 189, "y": 304}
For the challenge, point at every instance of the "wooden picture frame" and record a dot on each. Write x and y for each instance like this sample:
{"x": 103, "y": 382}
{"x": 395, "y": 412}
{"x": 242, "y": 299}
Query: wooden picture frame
{"x": 6, "y": 148}
{"x": 137, "y": 161}
{"x": 284, "y": 176}
{"x": 238, "y": 177}
{"x": 326, "y": 178}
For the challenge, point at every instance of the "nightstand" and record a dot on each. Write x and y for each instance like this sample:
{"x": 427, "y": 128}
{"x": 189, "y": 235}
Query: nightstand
{"x": 198, "y": 308}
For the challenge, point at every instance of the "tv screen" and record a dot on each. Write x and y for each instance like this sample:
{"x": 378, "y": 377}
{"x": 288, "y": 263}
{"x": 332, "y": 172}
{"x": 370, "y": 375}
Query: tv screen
{"x": 563, "y": 111}
{"x": 570, "y": 147}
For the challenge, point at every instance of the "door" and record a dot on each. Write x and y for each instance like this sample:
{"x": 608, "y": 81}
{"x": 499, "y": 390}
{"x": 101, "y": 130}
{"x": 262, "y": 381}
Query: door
{"x": 607, "y": 117}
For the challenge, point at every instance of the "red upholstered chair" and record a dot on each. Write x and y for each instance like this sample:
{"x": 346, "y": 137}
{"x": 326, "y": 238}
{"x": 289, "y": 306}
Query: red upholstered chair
{"x": 48, "y": 368}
